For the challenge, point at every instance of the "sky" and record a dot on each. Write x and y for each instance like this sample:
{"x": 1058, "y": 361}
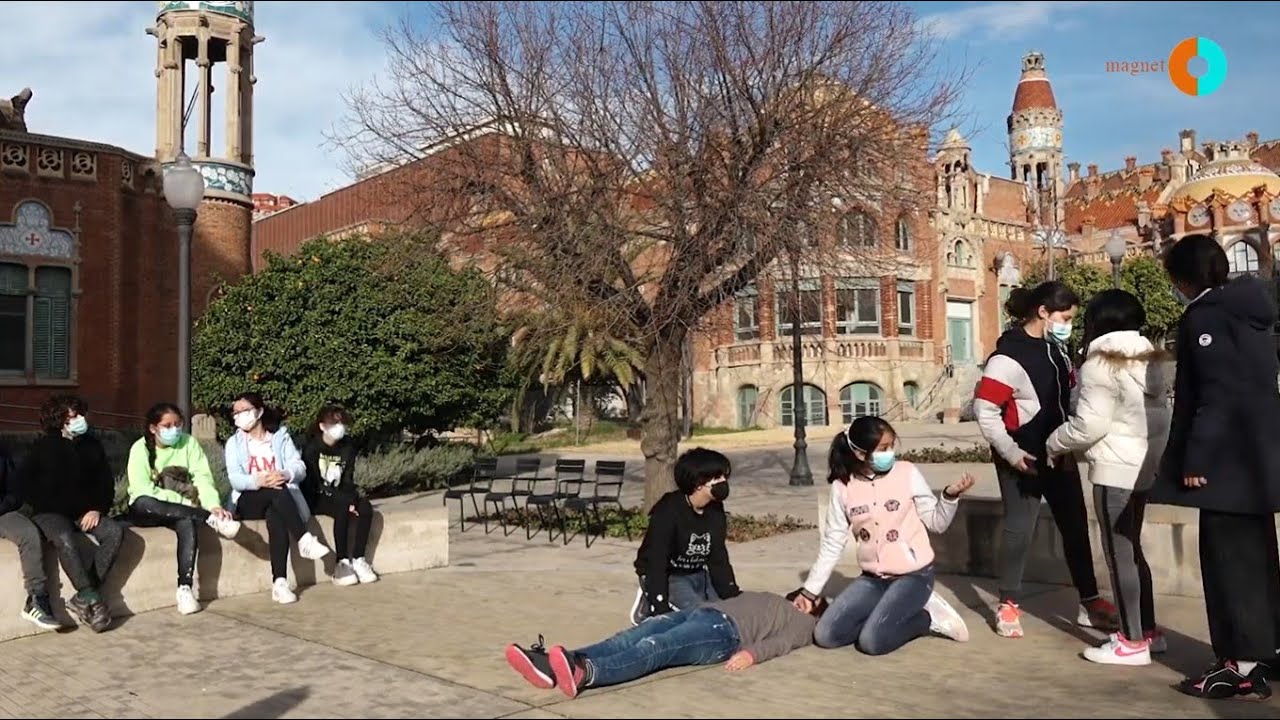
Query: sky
{"x": 91, "y": 67}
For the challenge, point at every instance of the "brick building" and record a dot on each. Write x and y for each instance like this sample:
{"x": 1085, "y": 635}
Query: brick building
{"x": 88, "y": 245}
{"x": 908, "y": 343}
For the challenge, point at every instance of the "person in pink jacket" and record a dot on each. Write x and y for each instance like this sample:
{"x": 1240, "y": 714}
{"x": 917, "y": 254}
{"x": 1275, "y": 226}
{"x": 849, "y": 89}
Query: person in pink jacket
{"x": 887, "y": 505}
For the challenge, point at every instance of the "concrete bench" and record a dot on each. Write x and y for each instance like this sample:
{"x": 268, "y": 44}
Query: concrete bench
{"x": 409, "y": 533}
{"x": 1170, "y": 541}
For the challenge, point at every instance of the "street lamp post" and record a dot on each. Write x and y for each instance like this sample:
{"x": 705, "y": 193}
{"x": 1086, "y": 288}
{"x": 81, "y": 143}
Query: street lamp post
{"x": 1115, "y": 249}
{"x": 183, "y": 190}
{"x": 800, "y": 473}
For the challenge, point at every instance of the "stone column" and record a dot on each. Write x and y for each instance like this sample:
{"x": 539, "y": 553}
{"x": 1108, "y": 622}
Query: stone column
{"x": 204, "y": 68}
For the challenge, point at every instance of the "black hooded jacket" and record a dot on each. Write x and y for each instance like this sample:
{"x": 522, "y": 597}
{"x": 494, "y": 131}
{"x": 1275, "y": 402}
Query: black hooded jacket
{"x": 1226, "y": 404}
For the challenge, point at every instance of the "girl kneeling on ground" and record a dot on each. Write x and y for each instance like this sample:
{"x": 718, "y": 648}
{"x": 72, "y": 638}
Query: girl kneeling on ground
{"x": 888, "y": 505}
{"x": 266, "y": 470}
{"x": 330, "y": 489}
{"x": 171, "y": 485}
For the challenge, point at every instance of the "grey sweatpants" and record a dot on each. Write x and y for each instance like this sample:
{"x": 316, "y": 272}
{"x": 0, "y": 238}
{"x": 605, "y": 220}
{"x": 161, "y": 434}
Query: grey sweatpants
{"x": 1120, "y": 515}
{"x": 19, "y": 530}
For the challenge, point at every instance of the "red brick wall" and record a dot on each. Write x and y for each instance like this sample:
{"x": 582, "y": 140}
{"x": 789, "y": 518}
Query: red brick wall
{"x": 125, "y": 323}
{"x": 220, "y": 248}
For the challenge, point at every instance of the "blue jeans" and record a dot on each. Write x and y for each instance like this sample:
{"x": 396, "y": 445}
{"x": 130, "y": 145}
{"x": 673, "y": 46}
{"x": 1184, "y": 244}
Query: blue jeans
{"x": 700, "y": 636}
{"x": 688, "y": 591}
{"x": 879, "y": 614}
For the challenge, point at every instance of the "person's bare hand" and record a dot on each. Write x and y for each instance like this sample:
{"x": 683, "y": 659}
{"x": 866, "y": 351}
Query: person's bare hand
{"x": 1194, "y": 481}
{"x": 960, "y": 487}
{"x": 741, "y": 660}
{"x": 1027, "y": 465}
{"x": 803, "y": 604}
{"x": 90, "y": 520}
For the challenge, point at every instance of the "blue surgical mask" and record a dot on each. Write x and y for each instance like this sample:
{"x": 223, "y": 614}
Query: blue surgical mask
{"x": 78, "y": 426}
{"x": 169, "y": 436}
{"x": 1060, "y": 331}
{"x": 882, "y": 460}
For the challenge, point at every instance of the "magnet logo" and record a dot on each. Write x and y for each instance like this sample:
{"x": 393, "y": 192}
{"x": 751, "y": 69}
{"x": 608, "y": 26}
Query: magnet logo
{"x": 1215, "y": 64}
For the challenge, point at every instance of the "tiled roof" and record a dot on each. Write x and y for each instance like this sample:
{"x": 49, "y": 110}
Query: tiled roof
{"x": 1116, "y": 203}
{"x": 1033, "y": 93}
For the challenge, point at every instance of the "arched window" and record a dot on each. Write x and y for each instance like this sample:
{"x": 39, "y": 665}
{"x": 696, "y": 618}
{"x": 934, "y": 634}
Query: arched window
{"x": 960, "y": 254}
{"x": 860, "y": 398}
{"x": 1242, "y": 258}
{"x": 856, "y": 229}
{"x": 911, "y": 392}
{"x": 37, "y": 295}
{"x": 902, "y": 235}
{"x": 815, "y": 402}
{"x": 748, "y": 396}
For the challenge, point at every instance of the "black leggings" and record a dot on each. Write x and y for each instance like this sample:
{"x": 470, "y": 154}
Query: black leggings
{"x": 183, "y": 520}
{"x": 277, "y": 507}
{"x": 338, "y": 506}
{"x": 62, "y": 531}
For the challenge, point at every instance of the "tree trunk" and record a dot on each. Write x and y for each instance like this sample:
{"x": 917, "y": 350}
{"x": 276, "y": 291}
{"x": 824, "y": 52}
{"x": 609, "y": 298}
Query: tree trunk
{"x": 660, "y": 419}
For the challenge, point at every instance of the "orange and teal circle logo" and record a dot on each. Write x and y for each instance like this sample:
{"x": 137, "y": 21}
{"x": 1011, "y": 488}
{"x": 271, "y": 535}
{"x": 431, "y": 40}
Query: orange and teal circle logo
{"x": 1215, "y": 62}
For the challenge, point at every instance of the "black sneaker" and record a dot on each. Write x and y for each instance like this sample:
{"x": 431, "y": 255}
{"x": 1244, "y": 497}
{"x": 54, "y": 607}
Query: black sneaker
{"x": 532, "y": 664}
{"x": 1224, "y": 681}
{"x": 38, "y": 612}
{"x": 81, "y": 608}
{"x": 570, "y": 671}
{"x": 99, "y": 616}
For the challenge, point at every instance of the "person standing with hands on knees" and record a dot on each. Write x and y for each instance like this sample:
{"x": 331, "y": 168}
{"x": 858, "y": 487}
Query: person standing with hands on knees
{"x": 266, "y": 471}
{"x": 1222, "y": 459}
{"x": 1024, "y": 395}
{"x": 330, "y": 489}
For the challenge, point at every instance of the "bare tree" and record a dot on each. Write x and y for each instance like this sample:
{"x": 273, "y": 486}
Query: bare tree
{"x": 649, "y": 160}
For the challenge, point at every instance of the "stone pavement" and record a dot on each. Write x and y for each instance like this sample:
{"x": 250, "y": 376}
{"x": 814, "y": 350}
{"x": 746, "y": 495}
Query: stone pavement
{"x": 429, "y": 644}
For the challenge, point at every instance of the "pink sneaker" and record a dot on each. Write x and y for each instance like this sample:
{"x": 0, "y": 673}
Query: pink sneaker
{"x": 1009, "y": 620}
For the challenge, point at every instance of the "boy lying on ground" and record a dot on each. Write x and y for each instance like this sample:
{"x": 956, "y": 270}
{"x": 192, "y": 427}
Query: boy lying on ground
{"x": 744, "y": 630}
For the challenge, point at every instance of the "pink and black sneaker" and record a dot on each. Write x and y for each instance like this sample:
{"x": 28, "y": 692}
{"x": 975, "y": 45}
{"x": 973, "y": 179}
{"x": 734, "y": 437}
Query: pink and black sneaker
{"x": 1225, "y": 681}
{"x": 570, "y": 672}
{"x": 532, "y": 664}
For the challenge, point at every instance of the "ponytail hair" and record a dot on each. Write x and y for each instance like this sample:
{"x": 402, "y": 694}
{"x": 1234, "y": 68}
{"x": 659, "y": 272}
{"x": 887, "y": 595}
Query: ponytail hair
{"x": 1024, "y": 304}
{"x": 863, "y": 434}
{"x": 154, "y": 416}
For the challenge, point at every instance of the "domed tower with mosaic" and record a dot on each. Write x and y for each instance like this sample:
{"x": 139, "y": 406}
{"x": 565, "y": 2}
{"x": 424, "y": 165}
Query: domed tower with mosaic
{"x": 195, "y": 39}
{"x": 1035, "y": 141}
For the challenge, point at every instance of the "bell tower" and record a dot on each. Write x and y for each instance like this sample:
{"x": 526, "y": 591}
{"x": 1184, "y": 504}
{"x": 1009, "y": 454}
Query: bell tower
{"x": 1035, "y": 141}
{"x": 204, "y": 48}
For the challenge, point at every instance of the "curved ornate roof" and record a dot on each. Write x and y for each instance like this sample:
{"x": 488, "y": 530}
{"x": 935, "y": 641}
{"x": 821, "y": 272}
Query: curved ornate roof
{"x": 1234, "y": 176}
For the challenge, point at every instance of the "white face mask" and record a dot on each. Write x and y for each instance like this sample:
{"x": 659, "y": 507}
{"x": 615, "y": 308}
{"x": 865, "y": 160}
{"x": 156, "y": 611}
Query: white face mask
{"x": 246, "y": 419}
{"x": 336, "y": 432}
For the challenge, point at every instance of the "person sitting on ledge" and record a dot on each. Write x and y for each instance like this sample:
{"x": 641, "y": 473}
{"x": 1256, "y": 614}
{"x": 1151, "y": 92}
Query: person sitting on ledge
{"x": 745, "y": 630}
{"x": 682, "y": 561}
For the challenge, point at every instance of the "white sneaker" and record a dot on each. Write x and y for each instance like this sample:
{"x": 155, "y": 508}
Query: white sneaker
{"x": 187, "y": 602}
{"x": 226, "y": 527}
{"x": 1120, "y": 652}
{"x": 282, "y": 593}
{"x": 310, "y": 547}
{"x": 944, "y": 620}
{"x": 344, "y": 575}
{"x": 364, "y": 571}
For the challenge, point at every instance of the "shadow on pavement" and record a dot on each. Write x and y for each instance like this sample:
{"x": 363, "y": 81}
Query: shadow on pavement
{"x": 273, "y": 706}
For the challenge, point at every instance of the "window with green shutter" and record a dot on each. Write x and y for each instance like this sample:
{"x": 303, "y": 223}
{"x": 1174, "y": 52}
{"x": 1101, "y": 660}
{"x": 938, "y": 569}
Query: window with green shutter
{"x": 51, "y": 335}
{"x": 13, "y": 319}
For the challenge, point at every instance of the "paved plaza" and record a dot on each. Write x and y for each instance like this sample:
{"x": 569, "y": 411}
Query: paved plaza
{"x": 429, "y": 644}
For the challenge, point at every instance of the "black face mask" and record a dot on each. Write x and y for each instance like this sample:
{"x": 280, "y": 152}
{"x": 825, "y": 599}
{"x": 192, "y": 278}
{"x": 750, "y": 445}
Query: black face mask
{"x": 720, "y": 491}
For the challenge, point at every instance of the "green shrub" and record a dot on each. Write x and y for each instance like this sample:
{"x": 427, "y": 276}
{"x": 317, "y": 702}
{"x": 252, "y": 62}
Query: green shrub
{"x": 404, "y": 470}
{"x": 942, "y": 454}
{"x": 617, "y": 523}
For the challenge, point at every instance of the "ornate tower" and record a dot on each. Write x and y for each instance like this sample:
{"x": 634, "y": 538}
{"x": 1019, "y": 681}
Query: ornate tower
{"x": 208, "y": 35}
{"x": 1035, "y": 141}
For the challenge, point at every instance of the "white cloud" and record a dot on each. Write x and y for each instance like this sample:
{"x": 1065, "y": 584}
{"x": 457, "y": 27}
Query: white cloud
{"x": 1006, "y": 19}
{"x": 91, "y": 67}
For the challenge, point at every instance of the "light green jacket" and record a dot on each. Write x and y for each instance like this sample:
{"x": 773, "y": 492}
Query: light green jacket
{"x": 186, "y": 453}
